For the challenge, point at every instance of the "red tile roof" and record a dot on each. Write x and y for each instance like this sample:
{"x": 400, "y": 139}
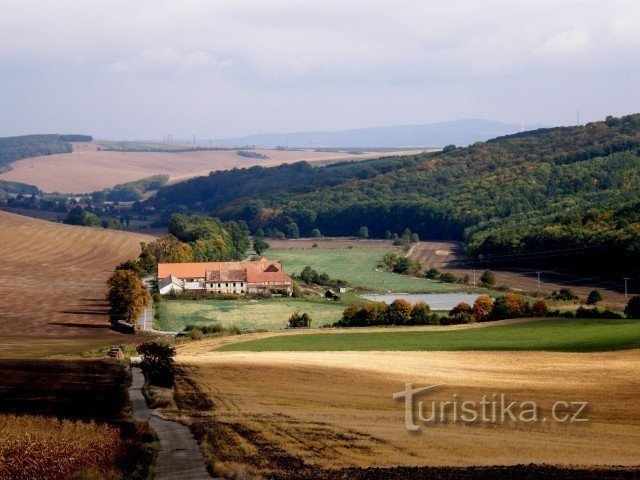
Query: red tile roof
{"x": 262, "y": 271}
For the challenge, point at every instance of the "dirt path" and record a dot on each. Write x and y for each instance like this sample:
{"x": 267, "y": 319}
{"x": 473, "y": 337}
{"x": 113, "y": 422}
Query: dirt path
{"x": 179, "y": 456}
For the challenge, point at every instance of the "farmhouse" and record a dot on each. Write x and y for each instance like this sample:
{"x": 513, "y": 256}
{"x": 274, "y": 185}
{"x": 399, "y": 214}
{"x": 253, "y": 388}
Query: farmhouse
{"x": 224, "y": 277}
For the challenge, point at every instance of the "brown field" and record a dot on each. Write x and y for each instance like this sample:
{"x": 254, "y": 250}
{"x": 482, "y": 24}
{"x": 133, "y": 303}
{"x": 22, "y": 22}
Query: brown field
{"x": 329, "y": 242}
{"x": 52, "y": 284}
{"x": 88, "y": 170}
{"x": 296, "y": 415}
{"x": 446, "y": 256}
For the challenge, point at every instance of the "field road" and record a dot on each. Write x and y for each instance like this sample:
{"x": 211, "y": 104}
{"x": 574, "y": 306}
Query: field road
{"x": 179, "y": 456}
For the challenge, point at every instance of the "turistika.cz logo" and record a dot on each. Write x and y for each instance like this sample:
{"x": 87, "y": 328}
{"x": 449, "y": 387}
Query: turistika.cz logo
{"x": 492, "y": 408}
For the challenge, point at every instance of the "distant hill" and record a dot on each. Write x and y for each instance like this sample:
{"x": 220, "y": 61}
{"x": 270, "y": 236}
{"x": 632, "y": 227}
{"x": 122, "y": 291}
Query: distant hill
{"x": 457, "y": 132}
{"x": 13, "y": 149}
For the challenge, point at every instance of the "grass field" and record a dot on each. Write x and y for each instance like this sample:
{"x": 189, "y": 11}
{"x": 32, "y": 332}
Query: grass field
{"x": 269, "y": 314}
{"x": 357, "y": 266}
{"x": 86, "y": 169}
{"x": 52, "y": 282}
{"x": 569, "y": 335}
{"x": 291, "y": 415}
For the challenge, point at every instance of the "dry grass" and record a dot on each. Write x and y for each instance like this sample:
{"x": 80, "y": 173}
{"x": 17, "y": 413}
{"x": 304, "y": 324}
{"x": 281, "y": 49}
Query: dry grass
{"x": 38, "y": 447}
{"x": 285, "y": 410}
{"x": 87, "y": 169}
{"x": 446, "y": 255}
{"x": 328, "y": 242}
{"x": 52, "y": 279}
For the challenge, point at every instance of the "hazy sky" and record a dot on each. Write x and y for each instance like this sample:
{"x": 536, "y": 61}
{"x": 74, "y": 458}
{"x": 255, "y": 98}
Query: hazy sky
{"x": 219, "y": 68}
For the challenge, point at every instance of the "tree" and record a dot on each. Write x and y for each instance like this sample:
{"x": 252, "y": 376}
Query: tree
{"x": 399, "y": 312}
{"x": 260, "y": 245}
{"x": 415, "y": 238}
{"x": 157, "y": 363}
{"x": 402, "y": 265}
{"x": 363, "y": 232}
{"x": 432, "y": 273}
{"x": 632, "y": 310}
{"x": 292, "y": 230}
{"x": 421, "y": 314}
{"x": 315, "y": 233}
{"x": 166, "y": 249}
{"x": 127, "y": 296}
{"x": 482, "y": 308}
{"x": 448, "y": 277}
{"x": 488, "y": 279}
{"x": 594, "y": 297}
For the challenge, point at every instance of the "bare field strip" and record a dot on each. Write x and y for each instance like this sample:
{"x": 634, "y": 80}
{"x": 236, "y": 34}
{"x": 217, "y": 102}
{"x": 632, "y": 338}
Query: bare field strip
{"x": 327, "y": 242}
{"x": 52, "y": 280}
{"x": 446, "y": 255}
{"x": 297, "y": 412}
{"x": 86, "y": 169}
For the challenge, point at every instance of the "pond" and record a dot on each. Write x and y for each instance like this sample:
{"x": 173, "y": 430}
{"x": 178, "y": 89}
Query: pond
{"x": 437, "y": 301}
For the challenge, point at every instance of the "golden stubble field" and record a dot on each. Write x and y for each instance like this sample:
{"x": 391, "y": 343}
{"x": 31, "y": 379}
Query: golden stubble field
{"x": 52, "y": 282}
{"x": 335, "y": 409}
{"x": 86, "y": 169}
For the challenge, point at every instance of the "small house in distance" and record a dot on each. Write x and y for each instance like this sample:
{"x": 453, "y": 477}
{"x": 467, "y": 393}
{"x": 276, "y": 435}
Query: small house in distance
{"x": 224, "y": 277}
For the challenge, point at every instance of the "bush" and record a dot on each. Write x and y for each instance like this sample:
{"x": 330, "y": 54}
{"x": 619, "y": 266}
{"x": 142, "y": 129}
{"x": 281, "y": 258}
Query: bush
{"x": 432, "y": 273}
{"x": 511, "y": 305}
{"x": 594, "y": 297}
{"x": 582, "y": 312}
{"x": 539, "y": 308}
{"x": 421, "y": 314}
{"x": 461, "y": 313}
{"x": 565, "y": 294}
{"x": 632, "y": 310}
{"x": 488, "y": 279}
{"x": 448, "y": 278}
{"x": 157, "y": 363}
{"x": 299, "y": 321}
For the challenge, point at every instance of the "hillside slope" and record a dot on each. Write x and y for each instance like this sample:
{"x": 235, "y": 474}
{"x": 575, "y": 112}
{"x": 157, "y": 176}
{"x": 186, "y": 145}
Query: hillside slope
{"x": 572, "y": 190}
{"x": 52, "y": 276}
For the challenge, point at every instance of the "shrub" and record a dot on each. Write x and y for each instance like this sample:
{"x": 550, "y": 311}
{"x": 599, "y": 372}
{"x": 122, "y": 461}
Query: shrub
{"x": 448, "y": 277}
{"x": 421, "y": 314}
{"x": 299, "y": 321}
{"x": 196, "y": 334}
{"x": 632, "y": 310}
{"x": 482, "y": 308}
{"x": 461, "y": 313}
{"x": 511, "y": 305}
{"x": 157, "y": 363}
{"x": 582, "y": 312}
{"x": 488, "y": 279}
{"x": 594, "y": 297}
{"x": 432, "y": 273}
{"x": 565, "y": 294}
{"x": 539, "y": 308}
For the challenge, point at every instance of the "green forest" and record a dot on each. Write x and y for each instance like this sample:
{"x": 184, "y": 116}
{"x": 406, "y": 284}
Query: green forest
{"x": 13, "y": 149}
{"x": 569, "y": 190}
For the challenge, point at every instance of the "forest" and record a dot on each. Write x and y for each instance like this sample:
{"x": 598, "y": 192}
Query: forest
{"x": 570, "y": 190}
{"x": 13, "y": 149}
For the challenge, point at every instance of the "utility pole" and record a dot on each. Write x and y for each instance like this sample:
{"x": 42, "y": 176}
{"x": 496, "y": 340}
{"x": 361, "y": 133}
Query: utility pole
{"x": 538, "y": 281}
{"x": 626, "y": 294}
{"x": 474, "y": 278}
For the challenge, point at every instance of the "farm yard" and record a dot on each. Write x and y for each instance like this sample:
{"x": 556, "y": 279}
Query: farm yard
{"x": 330, "y": 414}
{"x": 270, "y": 314}
{"x": 358, "y": 267}
{"x": 52, "y": 284}
{"x": 88, "y": 169}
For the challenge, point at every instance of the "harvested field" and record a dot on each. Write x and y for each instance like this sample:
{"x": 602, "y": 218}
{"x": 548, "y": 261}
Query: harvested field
{"x": 86, "y": 169}
{"x": 448, "y": 256}
{"x": 52, "y": 280}
{"x": 331, "y": 415}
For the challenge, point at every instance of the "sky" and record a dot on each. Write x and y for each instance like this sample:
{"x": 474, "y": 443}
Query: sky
{"x": 143, "y": 69}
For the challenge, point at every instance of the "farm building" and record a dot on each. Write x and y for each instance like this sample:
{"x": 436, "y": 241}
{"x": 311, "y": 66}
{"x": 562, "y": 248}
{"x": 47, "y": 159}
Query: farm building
{"x": 224, "y": 277}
